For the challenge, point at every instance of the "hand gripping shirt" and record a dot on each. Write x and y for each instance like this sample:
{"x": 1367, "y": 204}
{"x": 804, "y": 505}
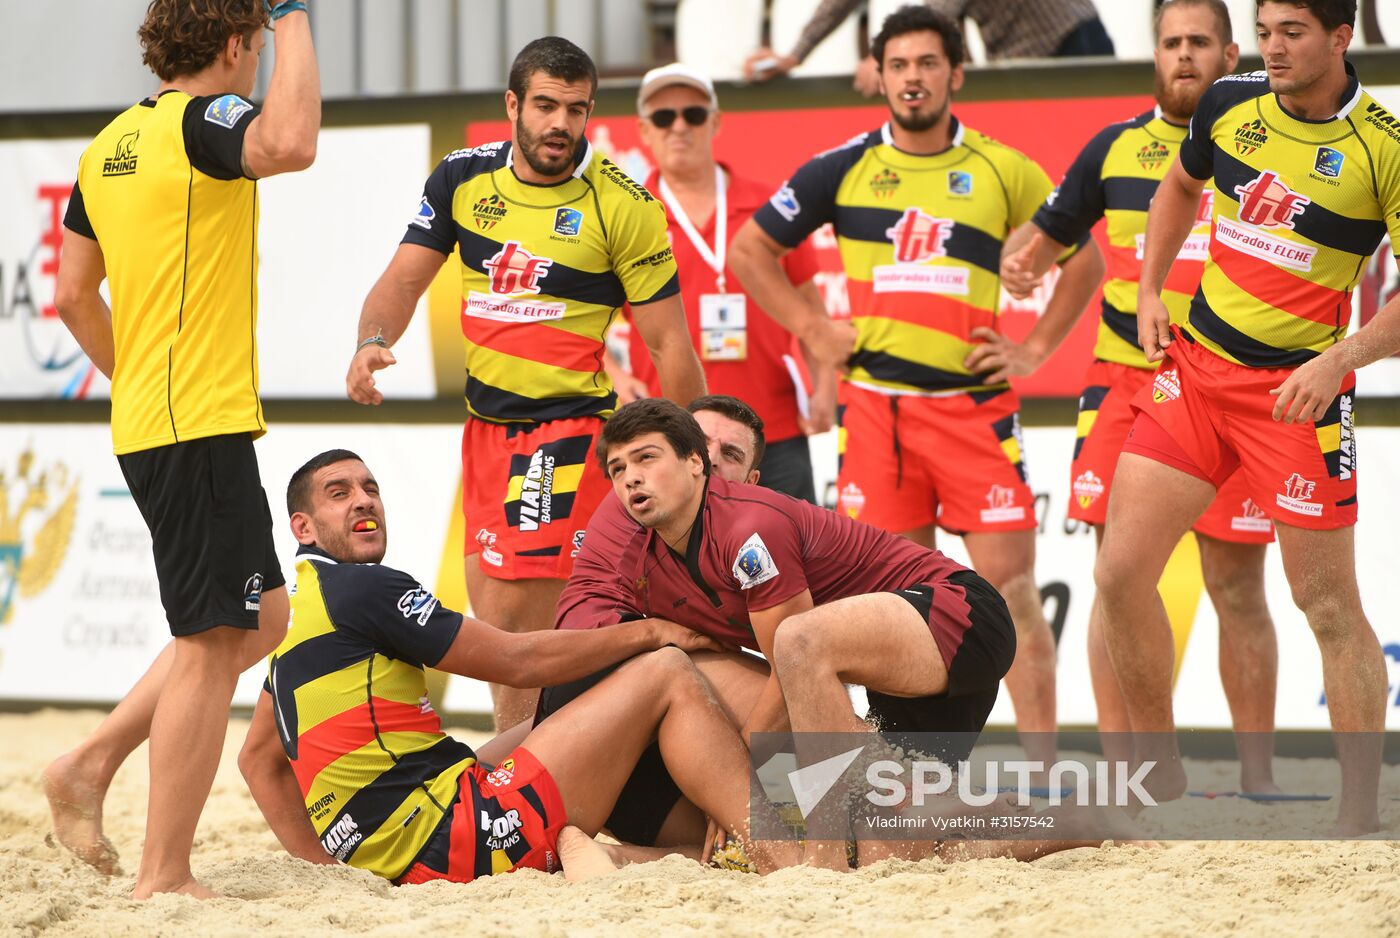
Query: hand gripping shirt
{"x": 920, "y": 240}
{"x": 751, "y": 549}
{"x": 1115, "y": 177}
{"x": 544, "y": 271}
{"x": 351, "y": 706}
{"x": 1299, "y": 207}
{"x": 162, "y": 191}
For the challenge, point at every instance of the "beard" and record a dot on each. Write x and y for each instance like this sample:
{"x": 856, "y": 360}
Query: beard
{"x": 530, "y": 148}
{"x": 915, "y": 123}
{"x": 1179, "y": 102}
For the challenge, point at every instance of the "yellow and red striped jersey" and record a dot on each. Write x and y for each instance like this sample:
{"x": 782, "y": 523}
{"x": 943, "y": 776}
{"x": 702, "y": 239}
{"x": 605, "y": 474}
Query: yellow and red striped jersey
{"x": 351, "y": 705}
{"x": 544, "y": 271}
{"x": 1114, "y": 178}
{"x": 1299, "y": 207}
{"x": 920, "y": 240}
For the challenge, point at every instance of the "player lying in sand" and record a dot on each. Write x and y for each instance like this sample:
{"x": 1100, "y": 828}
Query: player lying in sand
{"x": 348, "y": 762}
{"x": 668, "y": 551}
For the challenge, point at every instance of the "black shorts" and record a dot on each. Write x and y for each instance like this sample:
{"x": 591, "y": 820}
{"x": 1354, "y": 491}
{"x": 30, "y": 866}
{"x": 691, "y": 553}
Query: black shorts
{"x": 211, "y": 530}
{"x": 649, "y": 793}
{"x": 974, "y": 676}
{"x": 787, "y": 468}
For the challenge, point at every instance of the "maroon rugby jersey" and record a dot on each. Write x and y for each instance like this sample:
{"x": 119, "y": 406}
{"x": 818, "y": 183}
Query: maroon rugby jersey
{"x": 751, "y": 549}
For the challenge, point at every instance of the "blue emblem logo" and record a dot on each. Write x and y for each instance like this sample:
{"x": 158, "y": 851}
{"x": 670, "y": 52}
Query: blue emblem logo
{"x": 959, "y": 183}
{"x": 568, "y": 221}
{"x": 226, "y": 110}
{"x": 751, "y": 562}
{"x": 1329, "y": 162}
{"x": 426, "y": 214}
{"x": 785, "y": 203}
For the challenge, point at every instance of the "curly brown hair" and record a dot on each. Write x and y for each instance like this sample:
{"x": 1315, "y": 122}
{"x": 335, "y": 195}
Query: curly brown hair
{"x": 184, "y": 37}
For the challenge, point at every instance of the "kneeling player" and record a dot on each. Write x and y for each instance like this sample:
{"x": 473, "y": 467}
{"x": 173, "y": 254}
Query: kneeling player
{"x": 344, "y": 734}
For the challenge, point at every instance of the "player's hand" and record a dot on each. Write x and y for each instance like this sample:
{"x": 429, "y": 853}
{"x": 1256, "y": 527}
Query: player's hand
{"x": 1018, "y": 277}
{"x": 998, "y": 358}
{"x": 1154, "y": 325}
{"x": 359, "y": 382}
{"x": 867, "y": 77}
{"x": 629, "y": 388}
{"x": 832, "y": 342}
{"x": 1309, "y": 390}
{"x": 669, "y": 633}
{"x": 764, "y": 64}
{"x": 715, "y": 838}
{"x": 821, "y": 407}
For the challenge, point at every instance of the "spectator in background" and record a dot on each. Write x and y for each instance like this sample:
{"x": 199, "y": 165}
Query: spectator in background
{"x": 741, "y": 348}
{"x": 1011, "y": 29}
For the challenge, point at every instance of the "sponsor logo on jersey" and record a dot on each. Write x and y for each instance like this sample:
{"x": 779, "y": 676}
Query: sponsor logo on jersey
{"x": 341, "y": 837}
{"x": 577, "y": 543}
{"x": 1251, "y": 136}
{"x": 252, "y": 593}
{"x": 1153, "y": 155}
{"x": 1329, "y": 162}
{"x": 959, "y": 183}
{"x": 1206, "y": 210}
{"x": 1382, "y": 119}
{"x": 851, "y": 500}
{"x": 487, "y": 306}
{"x": 502, "y": 775}
{"x": 417, "y": 603}
{"x": 754, "y": 565}
{"x": 487, "y": 541}
{"x": 488, "y": 210}
{"x": 423, "y": 218}
{"x": 785, "y": 203}
{"x": 1267, "y": 202}
{"x": 515, "y": 270}
{"x": 664, "y": 256}
{"x": 884, "y": 183}
{"x": 501, "y": 832}
{"x": 1166, "y": 386}
{"x": 1346, "y": 448}
{"x": 1297, "y": 496}
{"x": 614, "y": 174}
{"x": 1251, "y": 518}
{"x": 225, "y": 110}
{"x": 1088, "y": 488}
{"x": 122, "y": 162}
{"x": 918, "y": 237}
{"x": 485, "y": 149}
{"x": 321, "y": 806}
{"x": 1001, "y": 506}
{"x": 1254, "y": 242}
{"x": 537, "y": 492}
{"x": 567, "y": 222}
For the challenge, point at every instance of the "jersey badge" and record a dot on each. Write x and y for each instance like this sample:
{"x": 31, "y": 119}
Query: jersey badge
{"x": 225, "y": 110}
{"x": 567, "y": 222}
{"x": 785, "y": 203}
{"x": 1153, "y": 155}
{"x": 515, "y": 270}
{"x": 918, "y": 237}
{"x": 122, "y": 162}
{"x": 959, "y": 182}
{"x": 1329, "y": 162}
{"x": 1166, "y": 386}
{"x": 252, "y": 593}
{"x": 754, "y": 565}
{"x": 1251, "y": 136}
{"x": 423, "y": 218}
{"x": 1297, "y": 496}
{"x": 1266, "y": 202}
{"x": 851, "y": 500}
{"x": 488, "y": 210}
{"x": 884, "y": 183}
{"x": 417, "y": 603}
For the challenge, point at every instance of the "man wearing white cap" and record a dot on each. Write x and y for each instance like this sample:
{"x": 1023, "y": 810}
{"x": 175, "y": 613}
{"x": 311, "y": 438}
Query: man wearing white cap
{"x": 744, "y": 352}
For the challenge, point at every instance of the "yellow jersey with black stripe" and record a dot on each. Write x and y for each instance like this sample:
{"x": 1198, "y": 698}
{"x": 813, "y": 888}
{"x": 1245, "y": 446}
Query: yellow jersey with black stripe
{"x": 1114, "y": 178}
{"x": 545, "y": 268}
{"x": 162, "y": 190}
{"x": 1300, "y": 205}
{"x": 920, "y": 240}
{"x": 351, "y": 707}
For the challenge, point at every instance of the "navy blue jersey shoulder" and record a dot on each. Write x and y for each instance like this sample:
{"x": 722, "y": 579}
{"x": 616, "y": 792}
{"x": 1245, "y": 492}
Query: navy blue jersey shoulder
{"x": 808, "y": 200}
{"x": 1077, "y": 203}
{"x": 1197, "y": 151}
{"x": 432, "y": 226}
{"x": 388, "y": 610}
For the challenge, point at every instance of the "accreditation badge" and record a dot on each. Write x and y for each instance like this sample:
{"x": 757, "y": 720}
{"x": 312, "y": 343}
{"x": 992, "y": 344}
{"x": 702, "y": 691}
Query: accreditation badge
{"x": 724, "y": 333}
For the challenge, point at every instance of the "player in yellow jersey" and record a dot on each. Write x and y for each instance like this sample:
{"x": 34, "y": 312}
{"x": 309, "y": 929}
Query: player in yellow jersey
{"x": 165, "y": 209}
{"x": 1260, "y": 377}
{"x": 553, "y": 240}
{"x": 1114, "y": 178}
{"x": 348, "y": 761}
{"x": 921, "y": 208}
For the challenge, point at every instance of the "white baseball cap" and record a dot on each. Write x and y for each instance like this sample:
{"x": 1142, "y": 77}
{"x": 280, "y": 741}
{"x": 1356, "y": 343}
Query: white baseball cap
{"x": 675, "y": 74}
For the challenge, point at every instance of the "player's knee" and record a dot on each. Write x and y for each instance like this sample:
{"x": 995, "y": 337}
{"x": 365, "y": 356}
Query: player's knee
{"x": 800, "y": 644}
{"x": 1236, "y": 596}
{"x": 1112, "y": 576}
{"x": 1329, "y": 615}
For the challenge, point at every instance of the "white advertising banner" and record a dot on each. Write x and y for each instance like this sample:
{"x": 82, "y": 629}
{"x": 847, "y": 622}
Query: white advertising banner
{"x": 325, "y": 236}
{"x": 80, "y": 615}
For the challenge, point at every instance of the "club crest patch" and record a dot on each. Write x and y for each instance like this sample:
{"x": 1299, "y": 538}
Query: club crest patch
{"x": 754, "y": 565}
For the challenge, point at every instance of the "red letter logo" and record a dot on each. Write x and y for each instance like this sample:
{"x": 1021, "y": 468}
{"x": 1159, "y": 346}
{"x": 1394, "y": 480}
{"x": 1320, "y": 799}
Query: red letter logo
{"x": 918, "y": 237}
{"x": 1268, "y": 203}
{"x": 515, "y": 270}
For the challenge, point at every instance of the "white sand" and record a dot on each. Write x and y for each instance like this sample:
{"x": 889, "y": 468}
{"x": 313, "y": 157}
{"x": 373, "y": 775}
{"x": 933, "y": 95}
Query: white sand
{"x": 1300, "y": 888}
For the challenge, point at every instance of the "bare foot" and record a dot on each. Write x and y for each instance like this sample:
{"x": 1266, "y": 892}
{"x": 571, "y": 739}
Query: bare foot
{"x": 582, "y": 857}
{"x": 76, "y": 807}
{"x": 1262, "y": 786}
{"x": 187, "y": 887}
{"x": 1353, "y": 827}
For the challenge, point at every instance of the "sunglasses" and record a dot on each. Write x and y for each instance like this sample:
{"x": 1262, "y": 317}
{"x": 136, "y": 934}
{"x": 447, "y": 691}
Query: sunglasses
{"x": 695, "y": 115}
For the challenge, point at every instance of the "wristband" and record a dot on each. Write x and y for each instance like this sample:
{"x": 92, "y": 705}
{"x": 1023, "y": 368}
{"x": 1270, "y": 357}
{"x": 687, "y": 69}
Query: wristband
{"x": 278, "y": 10}
{"x": 376, "y": 339}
